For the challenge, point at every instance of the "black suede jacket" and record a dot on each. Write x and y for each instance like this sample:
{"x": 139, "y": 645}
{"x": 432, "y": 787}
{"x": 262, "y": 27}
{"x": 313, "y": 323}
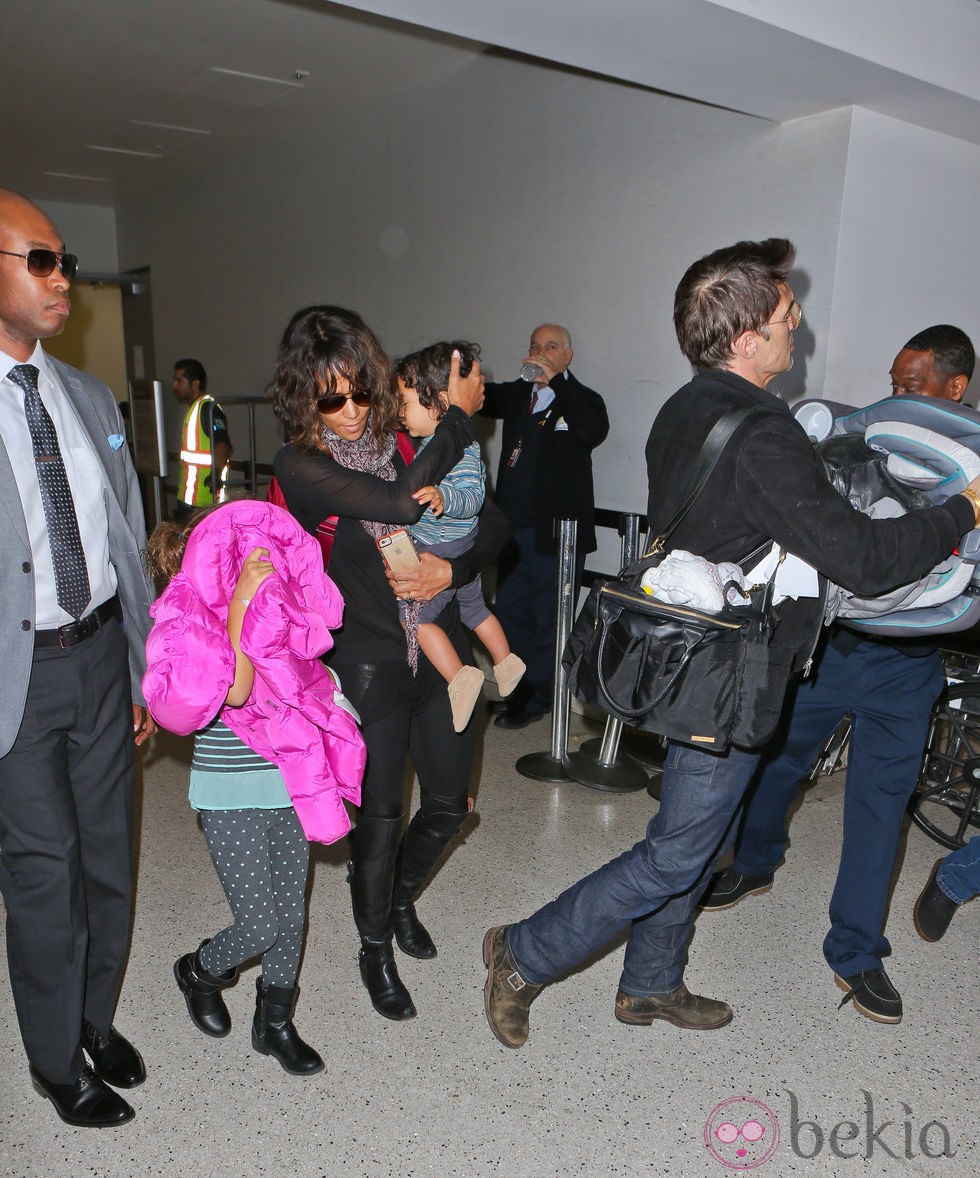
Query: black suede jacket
{"x": 769, "y": 484}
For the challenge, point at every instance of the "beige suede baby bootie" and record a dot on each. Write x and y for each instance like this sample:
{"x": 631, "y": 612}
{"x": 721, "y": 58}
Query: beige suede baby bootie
{"x": 464, "y": 690}
{"x": 508, "y": 674}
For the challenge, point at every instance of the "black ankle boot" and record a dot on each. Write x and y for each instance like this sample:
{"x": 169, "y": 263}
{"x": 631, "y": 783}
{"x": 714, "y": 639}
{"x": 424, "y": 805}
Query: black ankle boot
{"x": 273, "y": 1032}
{"x": 410, "y": 933}
{"x": 425, "y": 841}
{"x": 202, "y": 993}
{"x": 380, "y": 975}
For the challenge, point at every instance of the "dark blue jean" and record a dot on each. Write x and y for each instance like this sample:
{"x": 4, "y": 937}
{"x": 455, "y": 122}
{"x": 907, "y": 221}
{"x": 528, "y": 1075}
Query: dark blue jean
{"x": 653, "y": 887}
{"x": 890, "y": 696}
{"x": 959, "y": 876}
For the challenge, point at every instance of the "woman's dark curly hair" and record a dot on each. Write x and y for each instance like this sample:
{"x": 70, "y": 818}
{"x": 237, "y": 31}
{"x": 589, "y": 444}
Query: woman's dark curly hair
{"x": 427, "y": 371}
{"x": 322, "y": 344}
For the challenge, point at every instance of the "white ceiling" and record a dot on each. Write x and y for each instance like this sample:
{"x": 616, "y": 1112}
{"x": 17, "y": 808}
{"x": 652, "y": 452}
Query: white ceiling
{"x": 164, "y": 78}
{"x": 80, "y": 75}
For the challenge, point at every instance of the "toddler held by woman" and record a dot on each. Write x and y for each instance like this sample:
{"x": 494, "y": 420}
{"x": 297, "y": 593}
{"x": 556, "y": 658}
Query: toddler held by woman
{"x": 447, "y": 529}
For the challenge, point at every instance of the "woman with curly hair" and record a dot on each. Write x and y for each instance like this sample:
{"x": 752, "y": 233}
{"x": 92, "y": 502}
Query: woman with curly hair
{"x": 334, "y": 391}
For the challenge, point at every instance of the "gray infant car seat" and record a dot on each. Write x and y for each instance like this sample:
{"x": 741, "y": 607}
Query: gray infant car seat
{"x": 898, "y": 455}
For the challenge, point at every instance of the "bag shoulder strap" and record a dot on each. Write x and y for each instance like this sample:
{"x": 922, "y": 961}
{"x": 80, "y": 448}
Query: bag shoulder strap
{"x": 405, "y": 447}
{"x": 714, "y": 445}
{"x": 325, "y": 528}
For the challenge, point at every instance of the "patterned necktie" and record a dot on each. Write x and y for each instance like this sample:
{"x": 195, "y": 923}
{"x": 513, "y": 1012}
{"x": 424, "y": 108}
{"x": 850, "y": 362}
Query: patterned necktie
{"x": 534, "y": 401}
{"x": 70, "y": 571}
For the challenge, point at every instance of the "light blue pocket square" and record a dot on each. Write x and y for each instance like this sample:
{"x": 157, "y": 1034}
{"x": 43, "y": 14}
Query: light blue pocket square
{"x": 115, "y": 441}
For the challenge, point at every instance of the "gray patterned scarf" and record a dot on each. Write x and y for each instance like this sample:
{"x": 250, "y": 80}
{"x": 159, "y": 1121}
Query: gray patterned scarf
{"x": 369, "y": 455}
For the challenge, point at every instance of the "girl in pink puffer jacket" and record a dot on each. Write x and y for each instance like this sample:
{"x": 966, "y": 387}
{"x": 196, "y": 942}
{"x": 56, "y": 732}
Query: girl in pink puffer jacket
{"x": 233, "y": 656}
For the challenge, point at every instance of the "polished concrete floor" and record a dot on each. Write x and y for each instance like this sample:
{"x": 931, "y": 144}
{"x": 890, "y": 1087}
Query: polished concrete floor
{"x": 587, "y": 1095}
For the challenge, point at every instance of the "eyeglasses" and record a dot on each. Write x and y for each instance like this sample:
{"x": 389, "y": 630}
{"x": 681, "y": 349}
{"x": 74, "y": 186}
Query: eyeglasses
{"x": 792, "y": 318}
{"x": 42, "y": 262}
{"x": 336, "y": 401}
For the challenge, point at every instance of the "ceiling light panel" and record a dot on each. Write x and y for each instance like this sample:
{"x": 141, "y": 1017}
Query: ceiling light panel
{"x": 170, "y": 127}
{"x": 243, "y": 89}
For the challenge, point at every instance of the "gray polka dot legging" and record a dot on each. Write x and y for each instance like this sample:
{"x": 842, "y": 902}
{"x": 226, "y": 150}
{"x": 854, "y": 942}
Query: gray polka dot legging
{"x": 262, "y": 858}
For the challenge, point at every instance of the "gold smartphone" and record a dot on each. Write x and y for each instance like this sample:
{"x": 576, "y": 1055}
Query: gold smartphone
{"x": 398, "y": 551}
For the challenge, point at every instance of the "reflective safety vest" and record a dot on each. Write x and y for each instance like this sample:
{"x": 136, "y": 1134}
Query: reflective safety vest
{"x": 195, "y": 458}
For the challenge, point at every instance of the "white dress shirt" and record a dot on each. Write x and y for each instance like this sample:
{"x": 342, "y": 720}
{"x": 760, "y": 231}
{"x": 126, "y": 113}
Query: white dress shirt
{"x": 85, "y": 477}
{"x": 545, "y": 395}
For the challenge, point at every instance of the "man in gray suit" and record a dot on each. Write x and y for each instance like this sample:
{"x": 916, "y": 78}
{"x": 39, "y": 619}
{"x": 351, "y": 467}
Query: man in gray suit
{"x": 75, "y": 601}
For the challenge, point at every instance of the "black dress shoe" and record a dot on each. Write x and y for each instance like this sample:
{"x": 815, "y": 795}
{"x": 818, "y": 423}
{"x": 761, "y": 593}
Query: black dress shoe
{"x": 114, "y": 1058}
{"x": 519, "y": 700}
{"x": 89, "y": 1103}
{"x": 519, "y": 718}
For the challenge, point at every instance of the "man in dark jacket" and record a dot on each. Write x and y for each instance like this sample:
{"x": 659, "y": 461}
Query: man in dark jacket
{"x": 551, "y": 425}
{"x": 735, "y": 316}
{"x": 888, "y": 687}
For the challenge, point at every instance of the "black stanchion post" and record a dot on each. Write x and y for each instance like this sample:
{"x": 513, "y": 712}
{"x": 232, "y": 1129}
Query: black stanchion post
{"x": 595, "y": 763}
{"x": 550, "y": 766}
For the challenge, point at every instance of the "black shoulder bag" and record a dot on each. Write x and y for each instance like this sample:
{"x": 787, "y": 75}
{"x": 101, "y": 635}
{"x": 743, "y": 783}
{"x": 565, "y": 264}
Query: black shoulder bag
{"x": 703, "y": 679}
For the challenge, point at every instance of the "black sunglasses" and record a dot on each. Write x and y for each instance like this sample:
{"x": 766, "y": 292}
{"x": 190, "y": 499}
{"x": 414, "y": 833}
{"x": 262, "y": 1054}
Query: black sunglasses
{"x": 336, "y": 401}
{"x": 41, "y": 262}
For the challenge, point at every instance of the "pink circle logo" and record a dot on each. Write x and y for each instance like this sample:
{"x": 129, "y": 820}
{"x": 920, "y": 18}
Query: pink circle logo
{"x": 741, "y": 1133}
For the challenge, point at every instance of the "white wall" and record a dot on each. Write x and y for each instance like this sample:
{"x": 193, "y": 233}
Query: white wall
{"x": 908, "y": 253}
{"x": 89, "y": 231}
{"x": 520, "y": 193}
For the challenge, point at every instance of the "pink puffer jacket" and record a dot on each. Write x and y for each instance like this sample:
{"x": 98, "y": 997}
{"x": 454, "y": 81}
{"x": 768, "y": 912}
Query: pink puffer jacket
{"x": 292, "y": 717}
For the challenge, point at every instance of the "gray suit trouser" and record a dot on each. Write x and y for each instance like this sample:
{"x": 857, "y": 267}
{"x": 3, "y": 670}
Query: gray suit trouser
{"x": 66, "y": 819}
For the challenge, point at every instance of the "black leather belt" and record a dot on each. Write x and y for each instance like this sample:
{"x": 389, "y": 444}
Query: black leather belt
{"x": 76, "y": 632}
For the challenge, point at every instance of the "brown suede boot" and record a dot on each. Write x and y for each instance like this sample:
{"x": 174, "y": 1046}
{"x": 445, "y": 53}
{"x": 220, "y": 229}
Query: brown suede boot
{"x": 682, "y": 1008}
{"x": 506, "y": 996}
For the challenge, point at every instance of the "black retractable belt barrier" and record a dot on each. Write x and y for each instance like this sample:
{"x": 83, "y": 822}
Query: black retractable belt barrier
{"x": 595, "y": 764}
{"x": 550, "y": 766}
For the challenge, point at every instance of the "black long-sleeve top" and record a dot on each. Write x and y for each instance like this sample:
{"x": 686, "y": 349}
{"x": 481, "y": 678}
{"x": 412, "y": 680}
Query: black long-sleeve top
{"x": 316, "y": 487}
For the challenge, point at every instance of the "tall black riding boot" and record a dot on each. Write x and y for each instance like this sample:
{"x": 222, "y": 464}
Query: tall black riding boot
{"x": 202, "y": 993}
{"x": 374, "y": 843}
{"x": 273, "y": 1032}
{"x": 427, "y": 837}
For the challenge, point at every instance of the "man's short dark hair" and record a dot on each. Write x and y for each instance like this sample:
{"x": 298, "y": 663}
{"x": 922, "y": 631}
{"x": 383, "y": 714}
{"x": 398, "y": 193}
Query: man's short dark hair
{"x": 726, "y": 293}
{"x": 952, "y": 350}
{"x": 427, "y": 371}
{"x": 194, "y": 370}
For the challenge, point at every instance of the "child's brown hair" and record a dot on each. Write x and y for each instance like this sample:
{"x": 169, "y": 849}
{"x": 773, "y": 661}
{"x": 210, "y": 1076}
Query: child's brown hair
{"x": 166, "y": 543}
{"x": 427, "y": 371}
